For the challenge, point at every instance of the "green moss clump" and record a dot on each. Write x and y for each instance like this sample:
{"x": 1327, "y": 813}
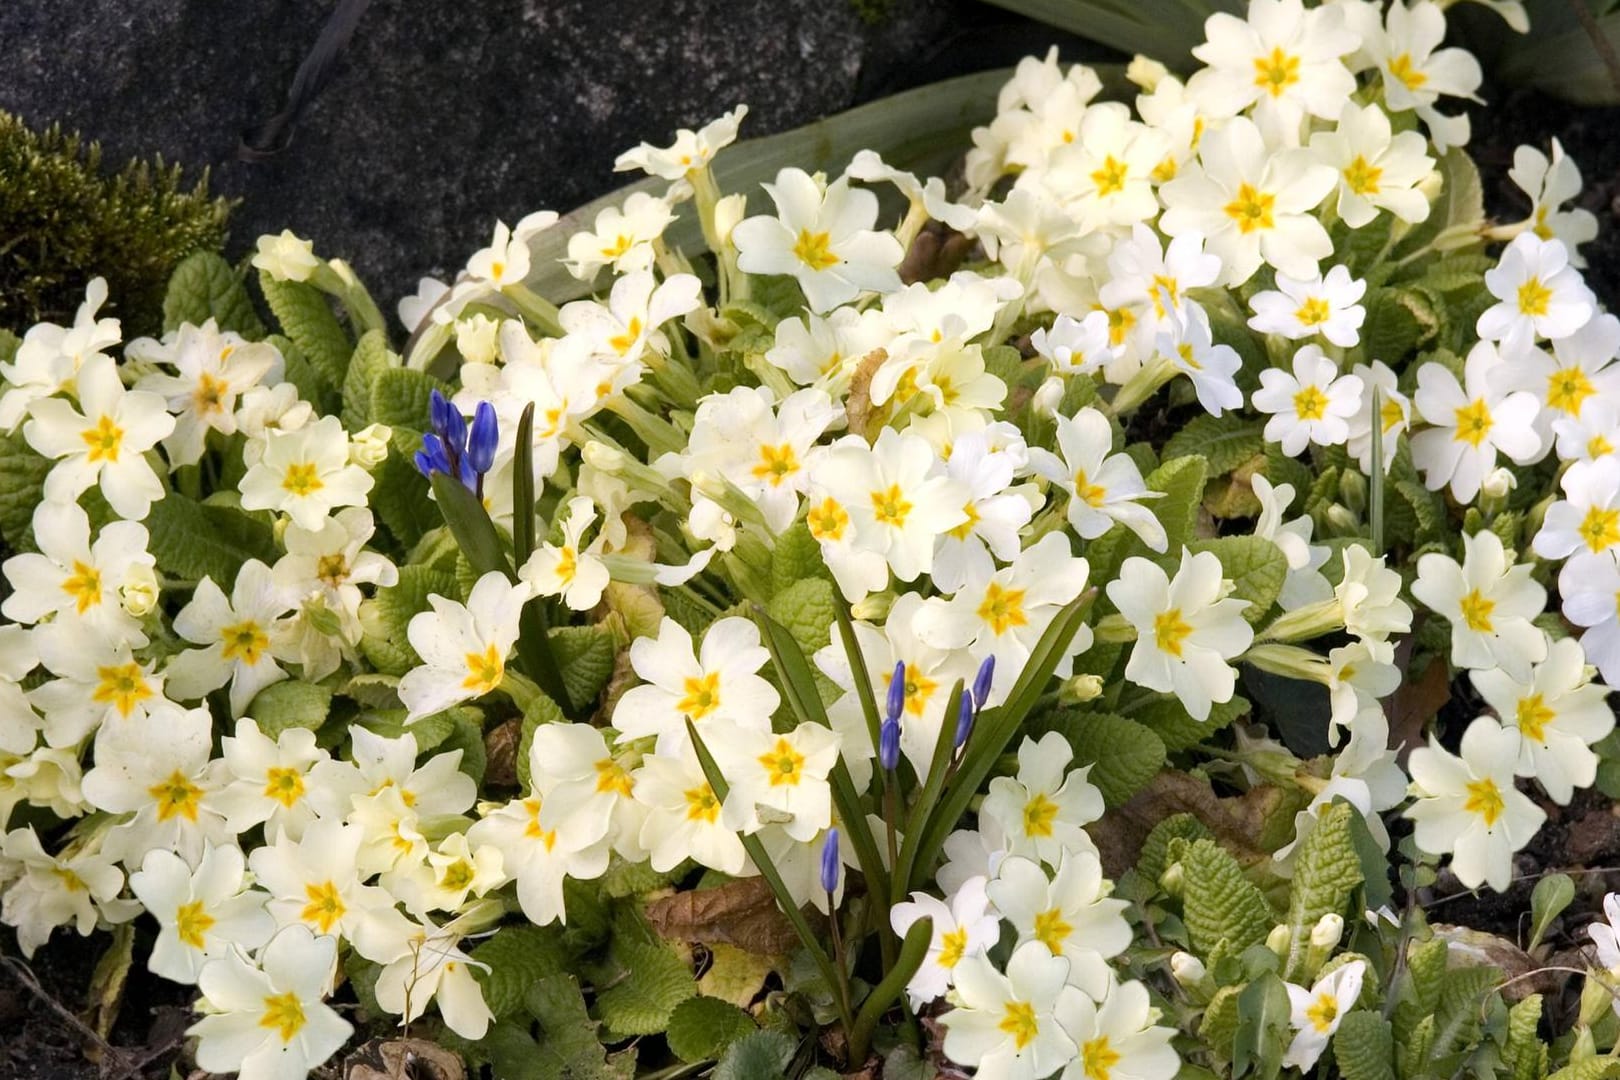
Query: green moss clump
{"x": 63, "y": 221}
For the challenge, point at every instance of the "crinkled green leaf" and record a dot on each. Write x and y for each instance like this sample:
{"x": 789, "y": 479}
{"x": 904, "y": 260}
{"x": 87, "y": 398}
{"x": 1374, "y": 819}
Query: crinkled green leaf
{"x": 400, "y": 496}
{"x": 1182, "y": 481}
{"x": 1263, "y": 1032}
{"x": 1592, "y": 1068}
{"x": 1218, "y": 1029}
{"x": 693, "y": 617}
{"x": 701, "y": 1028}
{"x": 760, "y": 1055}
{"x": 517, "y": 956}
{"x": 205, "y": 286}
{"x": 1167, "y": 717}
{"x": 1255, "y": 566}
{"x": 1364, "y": 1048}
{"x": 1326, "y": 872}
{"x": 585, "y": 655}
{"x": 467, "y": 735}
{"x": 401, "y": 397}
{"x": 796, "y": 557}
{"x": 1123, "y": 754}
{"x": 306, "y": 317}
{"x": 385, "y": 643}
{"x": 1218, "y": 902}
{"x": 1457, "y": 1018}
{"x": 194, "y": 540}
{"x": 370, "y": 359}
{"x": 1412, "y": 1053}
{"x": 299, "y": 372}
{"x": 569, "y": 1047}
{"x": 22, "y": 479}
{"x": 1398, "y": 322}
{"x": 1224, "y": 441}
{"x": 1152, "y": 861}
{"x": 805, "y": 610}
{"x": 1418, "y": 992}
{"x": 430, "y": 732}
{"x": 654, "y": 981}
{"x": 1522, "y": 1050}
{"x": 290, "y": 703}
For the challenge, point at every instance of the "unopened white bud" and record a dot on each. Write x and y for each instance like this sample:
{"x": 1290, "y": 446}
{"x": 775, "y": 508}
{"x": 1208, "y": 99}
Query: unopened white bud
{"x": 1187, "y": 969}
{"x": 1498, "y": 483}
{"x": 139, "y": 593}
{"x": 874, "y": 608}
{"x": 1145, "y": 72}
{"x": 1327, "y": 931}
{"x": 368, "y": 448}
{"x": 286, "y": 257}
{"x": 1081, "y": 689}
{"x": 1277, "y": 940}
{"x": 601, "y": 456}
{"x": 477, "y": 338}
{"x": 728, "y": 211}
{"x": 1048, "y": 396}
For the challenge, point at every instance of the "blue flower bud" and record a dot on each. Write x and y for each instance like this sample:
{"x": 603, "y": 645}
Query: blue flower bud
{"x": 831, "y": 865}
{"x": 432, "y": 457}
{"x": 964, "y": 722}
{"x": 440, "y": 411}
{"x": 454, "y": 434}
{"x": 889, "y": 744}
{"x": 981, "y": 682}
{"x": 897, "y": 691}
{"x": 482, "y": 438}
{"x": 424, "y": 464}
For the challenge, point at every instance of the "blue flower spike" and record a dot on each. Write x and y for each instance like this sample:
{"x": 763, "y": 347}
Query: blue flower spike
{"x": 831, "y": 865}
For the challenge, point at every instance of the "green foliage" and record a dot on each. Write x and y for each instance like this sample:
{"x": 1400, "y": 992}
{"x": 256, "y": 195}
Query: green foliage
{"x": 196, "y": 540}
{"x": 371, "y": 358}
{"x": 1255, "y": 566}
{"x": 652, "y": 981}
{"x": 761, "y": 1055}
{"x": 518, "y": 957}
{"x": 701, "y": 1028}
{"x": 1224, "y": 441}
{"x": 585, "y": 655}
{"x": 65, "y": 220}
{"x": 205, "y": 287}
{"x": 22, "y": 475}
{"x": 1219, "y": 904}
{"x": 1155, "y": 849}
{"x": 1122, "y": 754}
{"x": 1326, "y": 872}
{"x": 288, "y": 704}
{"x": 796, "y": 557}
{"x": 1523, "y": 1052}
{"x": 805, "y": 610}
{"x": 569, "y": 1046}
{"x": 1364, "y": 1048}
{"x": 385, "y": 643}
{"x": 306, "y": 317}
{"x": 1167, "y": 717}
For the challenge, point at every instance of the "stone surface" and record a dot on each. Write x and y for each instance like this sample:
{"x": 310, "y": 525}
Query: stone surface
{"x": 442, "y": 117}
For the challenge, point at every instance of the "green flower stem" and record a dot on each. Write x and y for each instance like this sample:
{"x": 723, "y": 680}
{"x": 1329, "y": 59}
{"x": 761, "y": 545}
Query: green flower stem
{"x": 857, "y": 668}
{"x": 912, "y": 953}
{"x": 1376, "y": 520}
{"x": 837, "y": 980}
{"x": 536, "y": 308}
{"x": 523, "y": 490}
{"x": 940, "y": 772}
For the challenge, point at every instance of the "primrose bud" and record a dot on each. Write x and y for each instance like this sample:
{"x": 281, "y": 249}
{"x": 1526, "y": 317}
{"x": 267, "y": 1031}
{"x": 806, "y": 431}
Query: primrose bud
{"x": 1277, "y": 940}
{"x": 1145, "y": 72}
{"x": 139, "y": 593}
{"x": 875, "y": 608}
{"x": 1173, "y": 880}
{"x": 1585, "y": 1046}
{"x": 728, "y": 211}
{"x": 601, "y": 456}
{"x": 286, "y": 257}
{"x": 1341, "y": 520}
{"x": 1187, "y": 969}
{"x": 1327, "y": 931}
{"x": 1081, "y": 689}
{"x": 1498, "y": 483}
{"x": 1353, "y": 491}
{"x": 1048, "y": 396}
{"x": 368, "y": 447}
{"x": 476, "y": 338}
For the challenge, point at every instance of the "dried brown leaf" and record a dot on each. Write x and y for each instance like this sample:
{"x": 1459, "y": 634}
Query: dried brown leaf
{"x": 1239, "y": 822}
{"x": 741, "y": 913}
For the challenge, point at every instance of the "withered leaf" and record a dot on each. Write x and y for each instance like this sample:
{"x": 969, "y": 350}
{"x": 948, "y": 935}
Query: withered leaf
{"x": 741, "y": 913}
{"x": 390, "y": 1059}
{"x": 1239, "y": 822}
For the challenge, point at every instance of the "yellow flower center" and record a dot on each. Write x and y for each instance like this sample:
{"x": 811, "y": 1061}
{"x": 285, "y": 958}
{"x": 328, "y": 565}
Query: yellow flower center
{"x": 1474, "y": 423}
{"x": 702, "y": 696}
{"x": 1091, "y": 494}
{"x": 632, "y": 333}
{"x": 484, "y": 670}
{"x": 784, "y": 764}
{"x": 176, "y": 796}
{"x": 1598, "y": 445}
{"x": 1310, "y": 403}
{"x": 1533, "y": 298}
{"x": 890, "y": 507}
{"x": 567, "y": 564}
{"x": 611, "y": 777}
{"x": 532, "y": 829}
{"x": 1039, "y": 815}
{"x": 124, "y": 686}
{"x": 1166, "y": 284}
{"x": 961, "y": 531}
{"x": 1476, "y": 609}
{"x": 284, "y": 1015}
{"x": 324, "y": 907}
{"x": 1170, "y": 631}
{"x": 284, "y": 785}
{"x": 1401, "y": 67}
{"x": 827, "y": 521}
{"x": 191, "y": 923}
{"x": 301, "y": 479}
{"x": 1484, "y": 799}
{"x": 1002, "y": 608}
{"x": 1568, "y": 389}
{"x": 1532, "y": 716}
{"x": 84, "y": 585}
{"x": 1165, "y": 171}
{"x": 1020, "y": 1022}
{"x": 1251, "y": 209}
{"x": 1313, "y": 312}
{"x": 104, "y": 440}
{"x": 457, "y": 876}
{"x": 1391, "y": 414}
{"x": 1110, "y": 177}
{"x": 1120, "y": 322}
{"x": 952, "y": 947}
{"x": 1362, "y": 177}
{"x": 1277, "y": 72}
{"x": 1322, "y": 1012}
{"x": 209, "y": 397}
{"x": 776, "y": 463}
{"x": 1185, "y": 351}
{"x": 701, "y": 805}
{"x": 620, "y": 245}
{"x": 1098, "y": 1058}
{"x": 1600, "y": 529}
{"x": 244, "y": 641}
{"x": 815, "y": 250}
{"x": 1052, "y": 930}
{"x": 332, "y": 569}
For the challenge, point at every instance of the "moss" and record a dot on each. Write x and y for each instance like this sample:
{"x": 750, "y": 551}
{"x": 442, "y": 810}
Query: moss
{"x": 64, "y": 220}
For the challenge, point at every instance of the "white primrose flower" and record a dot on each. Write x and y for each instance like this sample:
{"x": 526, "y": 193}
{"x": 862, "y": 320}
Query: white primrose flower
{"x": 627, "y": 327}
{"x": 202, "y": 913}
{"x": 268, "y": 779}
{"x": 1043, "y": 810}
{"x": 1550, "y": 181}
{"x": 824, "y": 350}
{"x": 1469, "y": 807}
{"x": 1358, "y": 673}
{"x": 821, "y": 236}
{"x": 1539, "y": 295}
{"x": 306, "y": 474}
{"x": 313, "y": 882}
{"x": 1416, "y": 72}
{"x": 1189, "y": 344}
{"x": 1317, "y": 1012}
{"x": 40, "y": 776}
{"x": 1118, "y": 1037}
{"x": 971, "y": 853}
{"x": 286, "y": 257}
{"x": 1105, "y": 176}
{"x": 464, "y": 647}
{"x": 78, "y": 887}
{"x": 893, "y": 495}
{"x": 1471, "y": 422}
{"x": 265, "y": 409}
{"x": 237, "y": 639}
{"x": 1328, "y": 305}
{"x": 212, "y": 367}
{"x": 1305, "y": 583}
{"x": 1103, "y": 487}
{"x": 691, "y": 150}
{"x": 719, "y": 682}
{"x": 776, "y": 779}
{"x": 1284, "y": 60}
{"x": 572, "y": 768}
{"x": 504, "y": 262}
{"x": 996, "y": 509}
{"x": 1314, "y": 404}
{"x": 1394, "y": 415}
{"x": 431, "y": 968}
{"x": 539, "y": 859}
{"x": 49, "y": 356}
{"x": 1187, "y": 628}
{"x": 622, "y": 236}
{"x": 1012, "y": 1025}
{"x": 1489, "y": 603}
{"x": 75, "y": 580}
{"x": 1591, "y": 435}
{"x": 682, "y": 819}
{"x": 1369, "y": 596}
{"x": 1071, "y": 913}
{"x": 1075, "y": 346}
{"x": 269, "y": 1020}
{"x": 1004, "y": 614}
{"x": 963, "y": 927}
{"x": 97, "y": 683}
{"x": 1251, "y": 203}
{"x": 451, "y": 873}
{"x": 1559, "y": 713}
{"x": 1585, "y": 524}
{"x": 157, "y": 770}
{"x": 1377, "y": 170}
{"x": 1580, "y": 372}
{"x": 323, "y": 570}
{"x": 385, "y": 791}
{"x": 103, "y": 441}
{"x": 1592, "y": 601}
{"x": 19, "y": 725}
{"x": 570, "y": 569}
